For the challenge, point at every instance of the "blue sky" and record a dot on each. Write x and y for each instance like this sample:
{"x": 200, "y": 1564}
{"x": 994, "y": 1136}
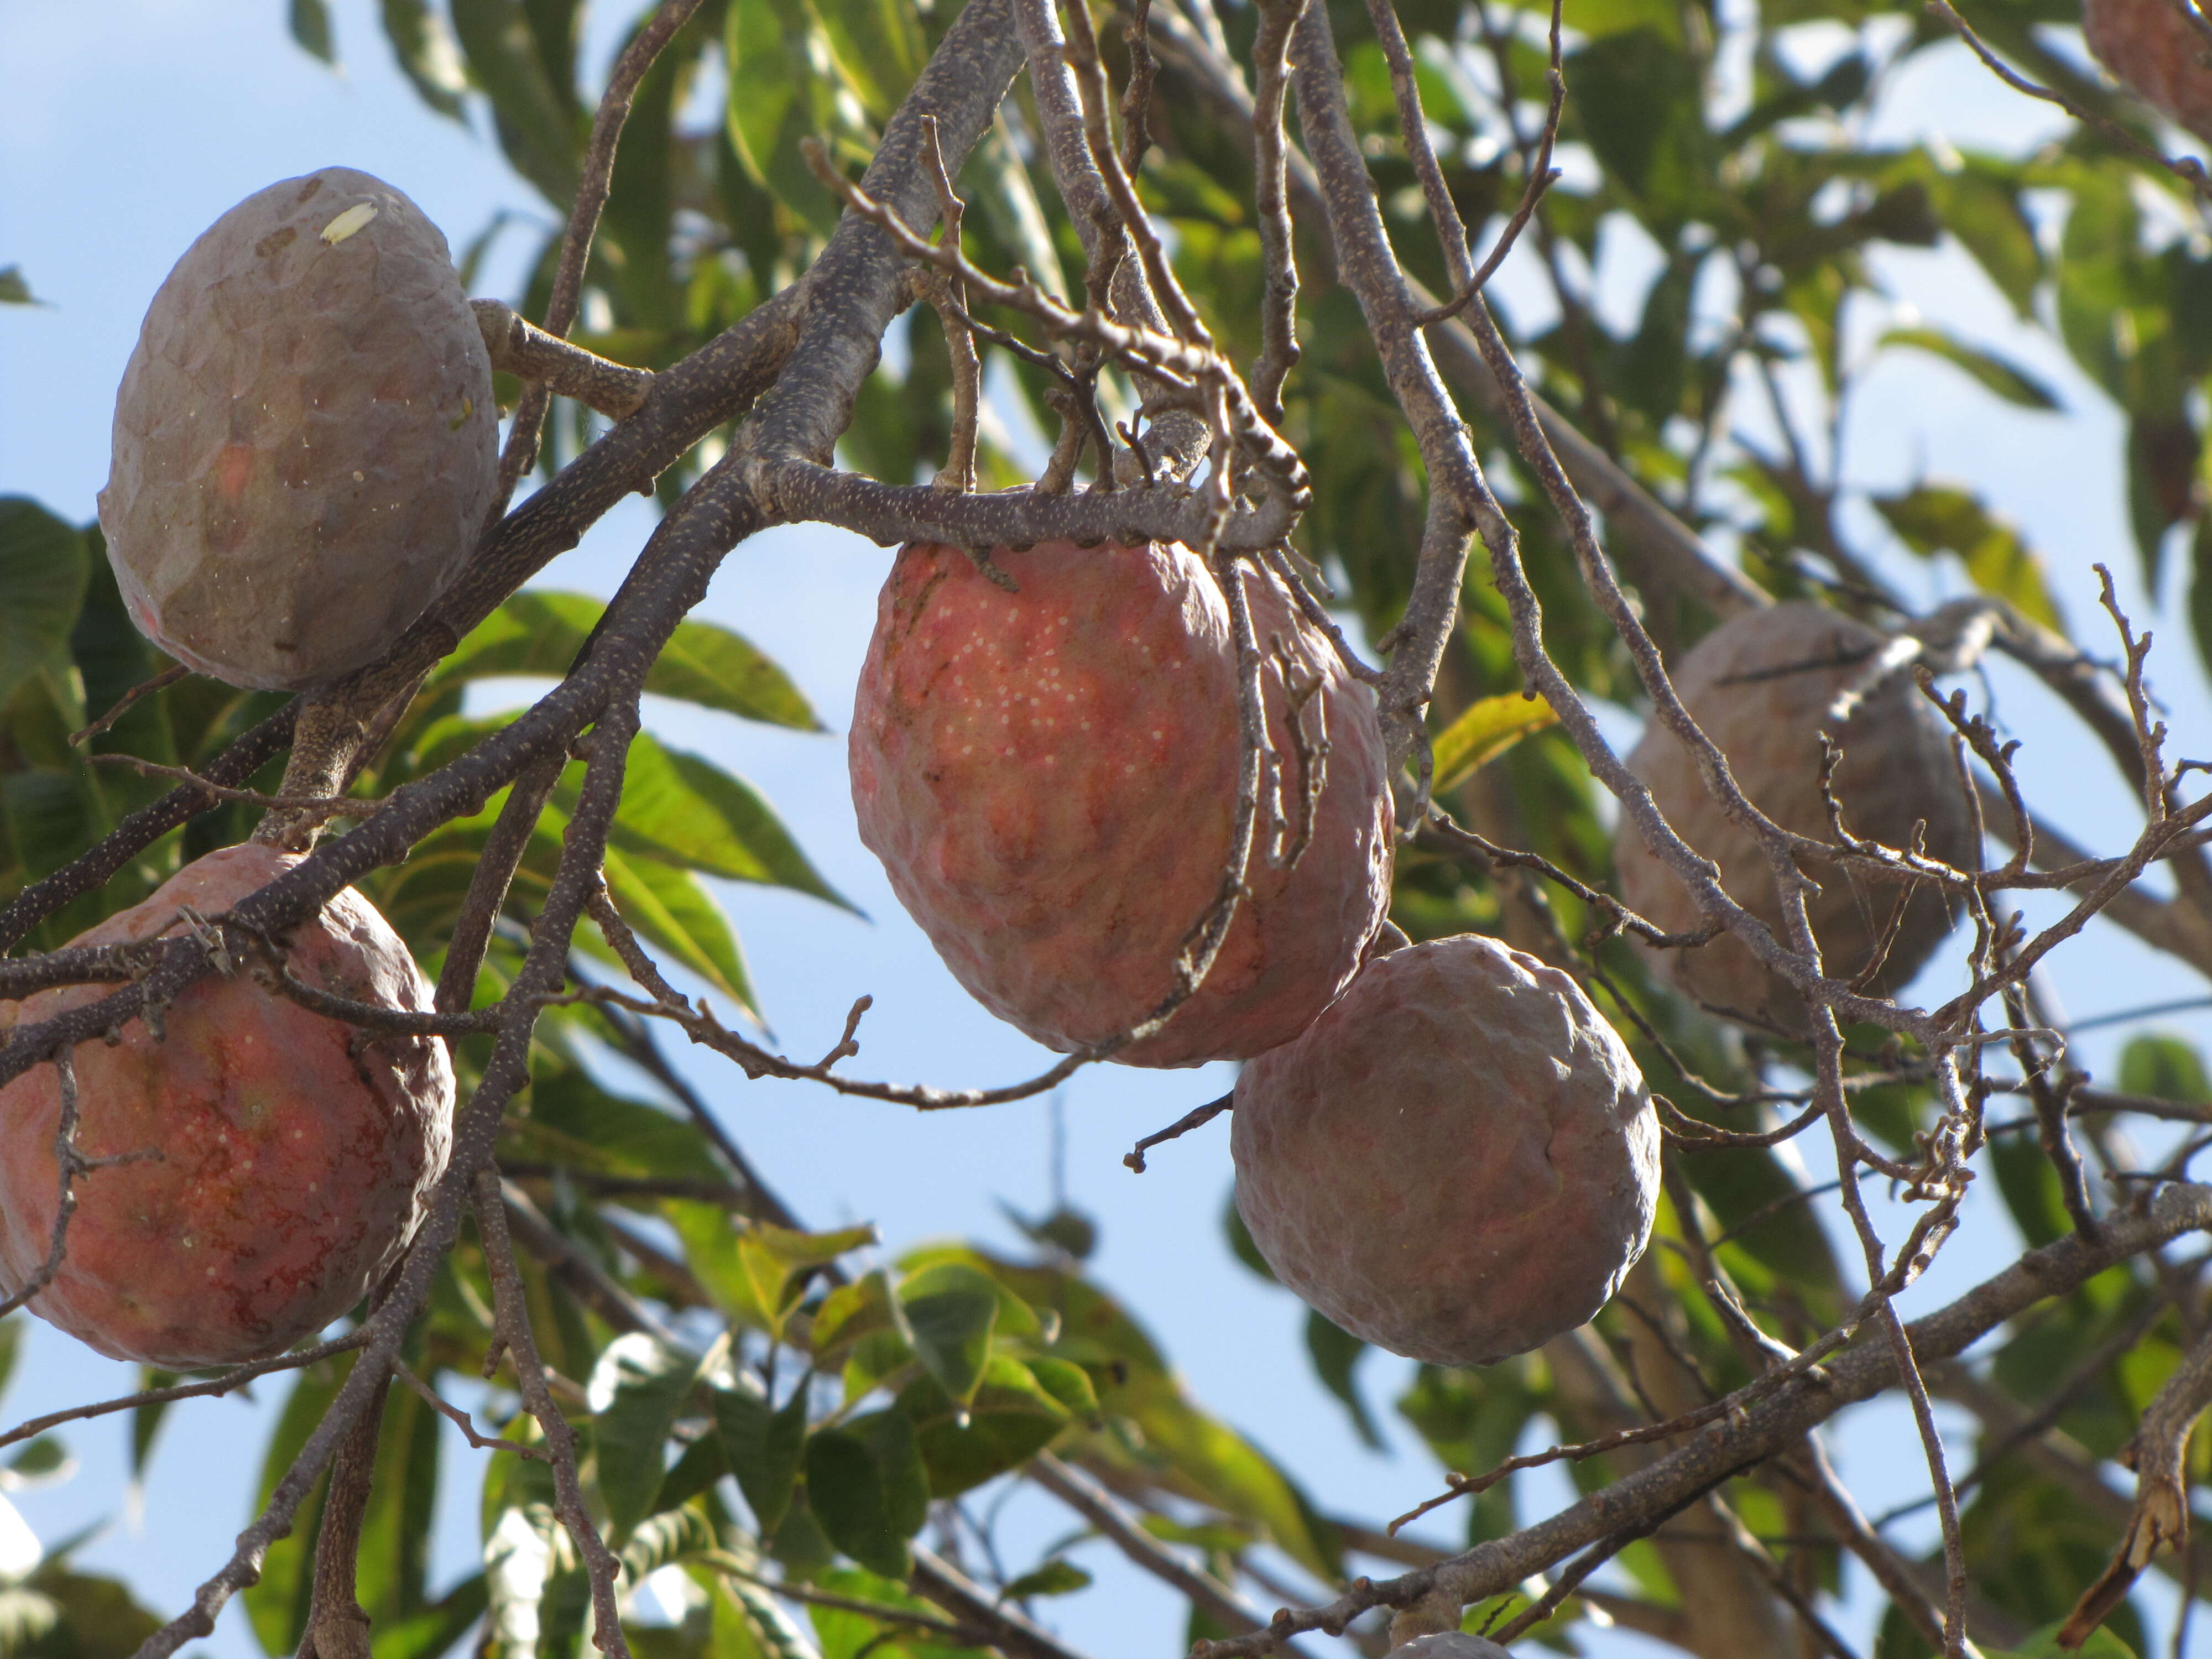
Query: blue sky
{"x": 129, "y": 127}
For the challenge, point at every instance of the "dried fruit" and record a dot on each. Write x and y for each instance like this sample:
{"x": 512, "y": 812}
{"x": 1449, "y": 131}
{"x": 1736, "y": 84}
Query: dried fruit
{"x": 1458, "y": 1161}
{"x": 2157, "y": 53}
{"x": 1049, "y": 777}
{"x": 295, "y": 1152}
{"x": 305, "y": 445}
{"x": 1764, "y": 686}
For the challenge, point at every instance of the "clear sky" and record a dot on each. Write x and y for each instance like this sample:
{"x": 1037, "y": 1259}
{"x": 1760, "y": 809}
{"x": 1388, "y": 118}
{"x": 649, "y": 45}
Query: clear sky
{"x": 130, "y": 126}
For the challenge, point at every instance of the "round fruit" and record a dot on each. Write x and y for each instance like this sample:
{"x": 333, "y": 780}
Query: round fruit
{"x": 295, "y": 1152}
{"x": 1764, "y": 686}
{"x": 2158, "y": 54}
{"x": 306, "y": 444}
{"x": 1457, "y": 1162}
{"x": 1049, "y": 777}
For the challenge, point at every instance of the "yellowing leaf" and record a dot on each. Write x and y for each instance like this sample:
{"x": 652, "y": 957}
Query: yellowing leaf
{"x": 1485, "y": 729}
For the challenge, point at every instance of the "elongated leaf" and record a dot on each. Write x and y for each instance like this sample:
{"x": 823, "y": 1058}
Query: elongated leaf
{"x": 763, "y": 1448}
{"x": 766, "y": 83}
{"x": 42, "y": 578}
{"x": 1485, "y": 729}
{"x": 1058, "y": 1577}
{"x": 427, "y": 56}
{"x": 683, "y": 810}
{"x": 538, "y": 632}
{"x": 674, "y": 912}
{"x": 1936, "y": 519}
{"x": 2007, "y": 379}
{"x": 11, "y": 1344}
{"x": 1336, "y": 1354}
{"x": 636, "y": 1392}
{"x": 538, "y": 132}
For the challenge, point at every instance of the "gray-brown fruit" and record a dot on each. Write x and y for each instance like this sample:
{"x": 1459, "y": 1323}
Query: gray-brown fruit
{"x": 1458, "y": 1161}
{"x": 306, "y": 444}
{"x": 1764, "y": 686}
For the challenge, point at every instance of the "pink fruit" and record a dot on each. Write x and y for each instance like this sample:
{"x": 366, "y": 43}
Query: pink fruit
{"x": 2158, "y": 54}
{"x": 295, "y": 1152}
{"x": 305, "y": 445}
{"x": 1458, "y": 1161}
{"x": 1764, "y": 686}
{"x": 1051, "y": 779}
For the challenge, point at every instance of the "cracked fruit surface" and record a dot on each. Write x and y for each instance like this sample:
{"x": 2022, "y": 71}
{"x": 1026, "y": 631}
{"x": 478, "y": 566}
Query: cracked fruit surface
{"x": 296, "y": 1153}
{"x": 1764, "y": 686}
{"x": 1049, "y": 777}
{"x": 2151, "y": 49}
{"x": 1457, "y": 1162}
{"x": 305, "y": 445}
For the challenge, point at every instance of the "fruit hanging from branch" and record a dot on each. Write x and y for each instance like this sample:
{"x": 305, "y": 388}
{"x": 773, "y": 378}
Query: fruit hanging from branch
{"x": 1457, "y": 1162}
{"x": 1764, "y": 686}
{"x": 1050, "y": 778}
{"x": 276, "y": 1161}
{"x": 306, "y": 444}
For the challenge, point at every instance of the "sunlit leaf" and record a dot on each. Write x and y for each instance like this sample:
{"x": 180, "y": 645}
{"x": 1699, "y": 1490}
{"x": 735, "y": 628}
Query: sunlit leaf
{"x": 635, "y": 1392}
{"x": 1482, "y": 731}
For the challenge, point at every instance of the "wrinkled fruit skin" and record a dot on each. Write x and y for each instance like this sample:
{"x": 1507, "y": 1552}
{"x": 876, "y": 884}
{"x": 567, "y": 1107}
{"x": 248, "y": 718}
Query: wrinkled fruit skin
{"x": 1051, "y": 779}
{"x": 1762, "y": 686}
{"x": 306, "y": 444}
{"x": 297, "y": 1152}
{"x": 2150, "y": 48}
{"x": 1459, "y": 1160}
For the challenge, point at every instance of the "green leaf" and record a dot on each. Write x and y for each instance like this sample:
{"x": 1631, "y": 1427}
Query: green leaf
{"x": 1934, "y": 518}
{"x": 849, "y": 1313}
{"x": 767, "y": 82}
{"x": 95, "y": 1617}
{"x": 2044, "y": 1645}
{"x": 1336, "y": 1354}
{"x": 40, "y": 1460}
{"x": 1012, "y": 1418}
{"x": 538, "y": 632}
{"x": 1058, "y": 1577}
{"x": 2165, "y": 1068}
{"x": 683, "y": 810}
{"x": 42, "y": 581}
{"x": 672, "y": 910}
{"x": 635, "y": 1391}
{"x": 1483, "y": 731}
{"x": 718, "y": 668}
{"x": 2007, "y": 379}
{"x": 311, "y": 27}
{"x": 866, "y": 1484}
{"x": 536, "y": 129}
{"x": 777, "y": 1261}
{"x": 11, "y": 1344}
{"x": 763, "y": 1446}
{"x": 14, "y": 287}
{"x": 427, "y": 54}
{"x": 950, "y": 1311}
